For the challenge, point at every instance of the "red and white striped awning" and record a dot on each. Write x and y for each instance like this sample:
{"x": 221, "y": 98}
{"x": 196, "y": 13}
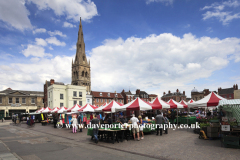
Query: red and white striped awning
{"x": 40, "y": 110}
{"x": 191, "y": 101}
{"x": 137, "y": 104}
{"x": 184, "y": 103}
{"x": 75, "y": 108}
{"x": 99, "y": 109}
{"x": 47, "y": 110}
{"x": 174, "y": 104}
{"x": 87, "y": 108}
{"x": 211, "y": 100}
{"x": 111, "y": 106}
{"x": 157, "y": 103}
{"x": 61, "y": 110}
{"x": 54, "y": 109}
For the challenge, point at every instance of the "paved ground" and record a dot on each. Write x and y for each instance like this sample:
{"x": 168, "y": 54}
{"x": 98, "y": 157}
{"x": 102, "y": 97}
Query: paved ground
{"x": 45, "y": 142}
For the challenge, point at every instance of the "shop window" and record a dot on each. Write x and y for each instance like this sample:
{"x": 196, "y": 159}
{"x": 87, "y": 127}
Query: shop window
{"x": 61, "y": 96}
{"x": 10, "y": 100}
{"x": 74, "y": 94}
{"x": 17, "y": 100}
{"x": 23, "y": 100}
{"x": 33, "y": 100}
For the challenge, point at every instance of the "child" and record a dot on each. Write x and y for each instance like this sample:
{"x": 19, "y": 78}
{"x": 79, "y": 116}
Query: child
{"x": 74, "y": 123}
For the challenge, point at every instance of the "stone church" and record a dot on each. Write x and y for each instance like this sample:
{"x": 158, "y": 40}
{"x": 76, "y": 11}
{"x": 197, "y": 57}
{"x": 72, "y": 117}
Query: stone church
{"x": 81, "y": 72}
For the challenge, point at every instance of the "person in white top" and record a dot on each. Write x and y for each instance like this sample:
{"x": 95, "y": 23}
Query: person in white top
{"x": 135, "y": 128}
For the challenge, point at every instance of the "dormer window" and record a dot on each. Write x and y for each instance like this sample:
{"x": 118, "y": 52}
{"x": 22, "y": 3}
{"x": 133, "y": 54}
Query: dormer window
{"x": 116, "y": 95}
{"x": 108, "y": 94}
{"x": 100, "y": 94}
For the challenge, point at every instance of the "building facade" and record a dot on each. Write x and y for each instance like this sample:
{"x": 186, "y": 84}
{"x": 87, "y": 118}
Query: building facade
{"x": 81, "y": 72}
{"x": 227, "y": 93}
{"x": 18, "y": 101}
{"x": 89, "y": 99}
{"x": 99, "y": 98}
{"x": 143, "y": 95}
{"x": 177, "y": 96}
{"x": 66, "y": 95}
{"x": 45, "y": 88}
{"x": 128, "y": 96}
{"x": 152, "y": 96}
{"x": 197, "y": 95}
{"x": 237, "y": 94}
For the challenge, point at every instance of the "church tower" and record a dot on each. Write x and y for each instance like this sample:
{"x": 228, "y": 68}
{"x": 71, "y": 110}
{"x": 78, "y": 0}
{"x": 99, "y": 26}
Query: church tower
{"x": 81, "y": 72}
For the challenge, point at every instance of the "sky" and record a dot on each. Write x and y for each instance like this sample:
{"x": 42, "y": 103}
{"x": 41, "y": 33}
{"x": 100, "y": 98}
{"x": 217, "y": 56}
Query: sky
{"x": 151, "y": 45}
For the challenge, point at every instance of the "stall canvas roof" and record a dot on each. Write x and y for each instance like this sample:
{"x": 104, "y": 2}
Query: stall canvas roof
{"x": 137, "y": 104}
{"x": 174, "y": 104}
{"x": 40, "y": 110}
{"x": 61, "y": 110}
{"x": 211, "y": 100}
{"x": 99, "y": 109}
{"x": 191, "y": 101}
{"x": 184, "y": 103}
{"x": 157, "y": 103}
{"x": 111, "y": 106}
{"x": 87, "y": 108}
{"x": 47, "y": 110}
{"x": 54, "y": 109}
{"x": 75, "y": 108}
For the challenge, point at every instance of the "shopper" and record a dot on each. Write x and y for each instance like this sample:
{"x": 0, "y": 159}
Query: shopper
{"x": 74, "y": 123}
{"x": 166, "y": 121}
{"x": 80, "y": 121}
{"x": 141, "y": 126}
{"x": 134, "y": 128}
{"x": 55, "y": 119}
{"x": 95, "y": 125}
{"x": 159, "y": 121}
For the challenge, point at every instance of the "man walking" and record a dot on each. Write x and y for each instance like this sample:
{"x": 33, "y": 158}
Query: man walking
{"x": 135, "y": 128}
{"x": 95, "y": 125}
{"x": 80, "y": 121}
{"x": 159, "y": 121}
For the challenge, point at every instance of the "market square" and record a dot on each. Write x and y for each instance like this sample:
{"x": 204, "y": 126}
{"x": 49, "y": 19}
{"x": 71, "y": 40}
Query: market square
{"x": 146, "y": 79}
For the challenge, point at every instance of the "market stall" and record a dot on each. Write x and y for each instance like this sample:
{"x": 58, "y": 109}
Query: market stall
{"x": 175, "y": 105}
{"x": 230, "y": 122}
{"x": 157, "y": 103}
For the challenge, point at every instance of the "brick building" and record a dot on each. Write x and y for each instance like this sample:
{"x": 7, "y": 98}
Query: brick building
{"x": 152, "y": 96}
{"x": 227, "y": 93}
{"x": 143, "y": 95}
{"x": 177, "y": 96}
{"x": 128, "y": 96}
{"x": 99, "y": 98}
{"x": 45, "y": 89}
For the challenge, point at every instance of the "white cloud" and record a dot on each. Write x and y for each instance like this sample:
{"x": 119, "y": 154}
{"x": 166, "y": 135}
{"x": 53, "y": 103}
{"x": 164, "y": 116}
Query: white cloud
{"x": 68, "y": 25}
{"x": 167, "y": 2}
{"x": 72, "y": 9}
{"x": 209, "y": 29}
{"x": 50, "y": 48}
{"x": 14, "y": 13}
{"x": 55, "y": 41}
{"x": 73, "y": 47}
{"x": 56, "y": 32}
{"x": 32, "y": 75}
{"x": 158, "y": 63}
{"x": 221, "y": 11}
{"x": 39, "y": 30}
{"x": 34, "y": 50}
{"x": 40, "y": 42}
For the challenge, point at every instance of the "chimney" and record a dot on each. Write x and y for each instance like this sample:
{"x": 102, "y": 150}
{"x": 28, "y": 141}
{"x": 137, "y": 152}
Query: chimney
{"x": 164, "y": 93}
{"x": 169, "y": 92}
{"x": 236, "y": 87}
{"x": 177, "y": 90}
{"x": 219, "y": 89}
{"x": 51, "y": 81}
{"x": 183, "y": 92}
{"x": 138, "y": 91}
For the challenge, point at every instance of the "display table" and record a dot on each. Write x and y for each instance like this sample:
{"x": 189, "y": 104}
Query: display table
{"x": 230, "y": 139}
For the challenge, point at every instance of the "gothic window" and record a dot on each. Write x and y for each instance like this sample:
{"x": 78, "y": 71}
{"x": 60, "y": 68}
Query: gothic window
{"x": 80, "y": 45}
{"x": 86, "y": 74}
{"x": 77, "y": 74}
{"x": 82, "y": 73}
{"x": 84, "y": 58}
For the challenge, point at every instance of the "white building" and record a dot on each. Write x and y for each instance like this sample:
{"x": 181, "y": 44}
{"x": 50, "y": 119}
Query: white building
{"x": 89, "y": 99}
{"x": 66, "y": 95}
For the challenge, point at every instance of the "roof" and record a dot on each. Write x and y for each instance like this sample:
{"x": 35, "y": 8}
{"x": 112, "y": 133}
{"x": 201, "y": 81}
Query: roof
{"x": 173, "y": 94}
{"x": 59, "y": 83}
{"x": 128, "y": 93}
{"x": 226, "y": 91}
{"x": 105, "y": 94}
{"x": 152, "y": 95}
{"x": 143, "y": 92}
{"x": 9, "y": 91}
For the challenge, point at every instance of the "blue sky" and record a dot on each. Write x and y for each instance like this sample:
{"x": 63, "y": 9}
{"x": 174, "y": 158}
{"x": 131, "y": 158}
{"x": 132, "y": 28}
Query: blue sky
{"x": 153, "y": 45}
